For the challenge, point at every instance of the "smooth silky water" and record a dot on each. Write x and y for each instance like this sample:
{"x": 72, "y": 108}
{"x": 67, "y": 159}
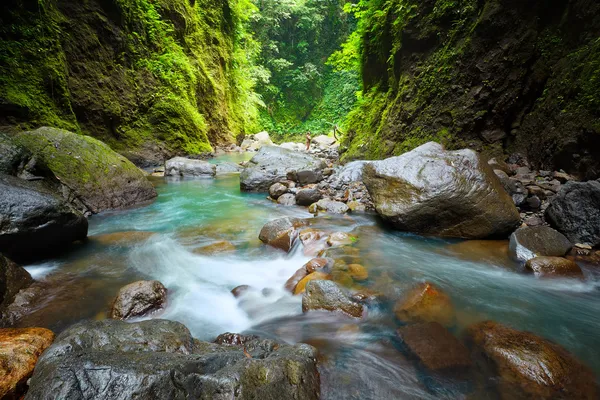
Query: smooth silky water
{"x": 359, "y": 359}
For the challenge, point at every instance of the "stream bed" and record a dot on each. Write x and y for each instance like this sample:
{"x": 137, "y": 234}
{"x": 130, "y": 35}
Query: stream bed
{"x": 359, "y": 359}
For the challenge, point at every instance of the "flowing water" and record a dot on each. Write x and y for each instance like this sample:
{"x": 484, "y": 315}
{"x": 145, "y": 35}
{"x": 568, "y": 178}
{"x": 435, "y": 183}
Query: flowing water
{"x": 359, "y": 359}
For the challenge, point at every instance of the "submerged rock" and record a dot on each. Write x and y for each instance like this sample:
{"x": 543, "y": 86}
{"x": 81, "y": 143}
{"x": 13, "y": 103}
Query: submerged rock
{"x": 529, "y": 242}
{"x": 221, "y": 247}
{"x": 12, "y": 279}
{"x": 545, "y": 267}
{"x": 312, "y": 276}
{"x": 35, "y": 222}
{"x": 341, "y": 239}
{"x": 575, "y": 212}
{"x": 327, "y": 295}
{"x": 281, "y": 233}
{"x": 448, "y": 193}
{"x": 19, "y": 352}
{"x": 425, "y": 303}
{"x": 139, "y": 298}
{"x": 529, "y": 366}
{"x": 158, "y": 359}
{"x": 186, "y": 167}
{"x": 99, "y": 177}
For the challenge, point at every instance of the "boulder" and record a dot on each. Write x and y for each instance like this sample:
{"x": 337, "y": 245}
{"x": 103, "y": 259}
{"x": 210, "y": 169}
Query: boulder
{"x": 351, "y": 172}
{"x": 328, "y": 296}
{"x": 548, "y": 267}
{"x": 272, "y": 164}
{"x": 139, "y": 298}
{"x": 186, "y": 167}
{"x": 256, "y": 141}
{"x": 287, "y": 199}
{"x": 13, "y": 156}
{"x": 35, "y": 222}
{"x": 317, "y": 275}
{"x": 277, "y": 189}
{"x": 332, "y": 206}
{"x": 528, "y": 366}
{"x": 281, "y": 233}
{"x": 534, "y": 241}
{"x": 313, "y": 241}
{"x": 425, "y": 303}
{"x": 575, "y": 212}
{"x": 299, "y": 275}
{"x": 12, "y": 279}
{"x": 323, "y": 141}
{"x": 19, "y": 352}
{"x": 318, "y": 264}
{"x": 226, "y": 168}
{"x": 88, "y": 169}
{"x": 435, "y": 346}
{"x": 341, "y": 239}
{"x": 305, "y": 197}
{"x": 158, "y": 359}
{"x": 447, "y": 193}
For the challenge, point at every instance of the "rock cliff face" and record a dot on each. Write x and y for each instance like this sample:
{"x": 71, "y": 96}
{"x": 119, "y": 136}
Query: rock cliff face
{"x": 149, "y": 77}
{"x": 493, "y": 75}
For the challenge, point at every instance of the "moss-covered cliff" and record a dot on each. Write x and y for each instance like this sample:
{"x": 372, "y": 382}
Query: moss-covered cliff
{"x": 495, "y": 75}
{"x": 148, "y": 76}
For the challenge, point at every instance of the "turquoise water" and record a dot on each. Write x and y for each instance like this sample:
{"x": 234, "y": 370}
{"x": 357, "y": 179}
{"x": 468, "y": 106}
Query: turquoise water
{"x": 361, "y": 359}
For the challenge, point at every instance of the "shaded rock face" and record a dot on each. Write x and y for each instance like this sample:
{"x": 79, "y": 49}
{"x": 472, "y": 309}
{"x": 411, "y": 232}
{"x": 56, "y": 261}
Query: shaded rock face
{"x": 548, "y": 267}
{"x": 435, "y": 346}
{"x": 12, "y": 279}
{"x": 19, "y": 352}
{"x": 158, "y": 359}
{"x": 425, "y": 303}
{"x": 139, "y": 298}
{"x": 186, "y": 167}
{"x": 327, "y": 295}
{"x": 13, "y": 157}
{"x": 436, "y": 192}
{"x": 272, "y": 164}
{"x": 529, "y": 242}
{"x": 529, "y": 366}
{"x": 281, "y": 233}
{"x": 575, "y": 212}
{"x": 96, "y": 175}
{"x": 35, "y": 222}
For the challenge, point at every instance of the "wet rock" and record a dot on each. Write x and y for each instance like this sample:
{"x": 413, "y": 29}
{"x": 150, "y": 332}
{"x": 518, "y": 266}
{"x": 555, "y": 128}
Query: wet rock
{"x": 425, "y": 303}
{"x": 305, "y": 197}
{"x": 139, "y": 298}
{"x": 547, "y": 267}
{"x": 159, "y": 359}
{"x": 341, "y": 239}
{"x": 13, "y": 156}
{"x": 315, "y": 276}
{"x": 318, "y": 264}
{"x": 122, "y": 238}
{"x": 281, "y": 233}
{"x": 528, "y": 366}
{"x": 186, "y": 167}
{"x": 351, "y": 172}
{"x": 35, "y": 222}
{"x": 272, "y": 164}
{"x": 13, "y": 278}
{"x": 277, "y": 189}
{"x": 239, "y": 290}
{"x": 287, "y": 199}
{"x": 358, "y": 272}
{"x": 529, "y": 242}
{"x": 88, "y": 169}
{"x": 19, "y": 352}
{"x": 313, "y": 241}
{"x": 234, "y": 339}
{"x": 332, "y": 206}
{"x": 299, "y": 275}
{"x": 493, "y": 251}
{"x": 326, "y": 295}
{"x": 227, "y": 168}
{"x": 307, "y": 177}
{"x": 366, "y": 296}
{"x": 448, "y": 193}
{"x": 216, "y": 248}
{"x": 435, "y": 346}
{"x": 575, "y": 212}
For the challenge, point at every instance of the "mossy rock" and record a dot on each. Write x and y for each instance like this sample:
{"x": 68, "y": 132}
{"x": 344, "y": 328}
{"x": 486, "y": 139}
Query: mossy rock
{"x": 99, "y": 177}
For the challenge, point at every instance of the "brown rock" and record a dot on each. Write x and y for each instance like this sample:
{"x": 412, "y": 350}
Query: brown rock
{"x": 122, "y": 238}
{"x": 220, "y": 247}
{"x": 239, "y": 290}
{"x": 367, "y": 296}
{"x": 529, "y": 366}
{"x": 13, "y": 278}
{"x": 425, "y": 302}
{"x": 435, "y": 346}
{"x": 313, "y": 241}
{"x": 19, "y": 351}
{"x": 281, "y": 233}
{"x": 341, "y": 239}
{"x": 326, "y": 295}
{"x": 301, "y": 286}
{"x": 548, "y": 267}
{"x": 358, "y": 272}
{"x": 139, "y": 298}
{"x": 299, "y": 275}
{"x": 494, "y": 251}
{"x": 318, "y": 264}
{"x": 234, "y": 339}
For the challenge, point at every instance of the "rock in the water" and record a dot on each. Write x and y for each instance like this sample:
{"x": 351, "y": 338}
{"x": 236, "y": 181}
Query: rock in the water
{"x": 448, "y": 193}
{"x": 12, "y": 279}
{"x": 158, "y": 359}
{"x": 327, "y": 295}
{"x": 534, "y": 241}
{"x": 427, "y": 303}
{"x": 220, "y": 247}
{"x": 139, "y": 298}
{"x": 305, "y": 197}
{"x": 544, "y": 267}
{"x": 575, "y": 212}
{"x": 341, "y": 239}
{"x": 226, "y": 168}
{"x": 435, "y": 346}
{"x": 287, "y": 199}
{"x": 35, "y": 222}
{"x": 529, "y": 366}
{"x": 272, "y": 164}
{"x": 281, "y": 233}
{"x": 239, "y": 290}
{"x": 314, "y": 276}
{"x": 99, "y": 177}
{"x": 299, "y": 275}
{"x": 277, "y": 189}
{"x": 186, "y": 167}
{"x": 358, "y": 272}
{"x": 19, "y": 352}
{"x": 332, "y": 206}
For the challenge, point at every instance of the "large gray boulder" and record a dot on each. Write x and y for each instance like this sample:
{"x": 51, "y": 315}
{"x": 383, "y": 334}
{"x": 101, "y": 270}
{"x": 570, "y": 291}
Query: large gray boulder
{"x": 351, "y": 172}
{"x": 35, "y": 222}
{"x": 159, "y": 359}
{"x": 535, "y": 241}
{"x": 575, "y": 211}
{"x": 187, "y": 167}
{"x": 272, "y": 164}
{"x": 432, "y": 191}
